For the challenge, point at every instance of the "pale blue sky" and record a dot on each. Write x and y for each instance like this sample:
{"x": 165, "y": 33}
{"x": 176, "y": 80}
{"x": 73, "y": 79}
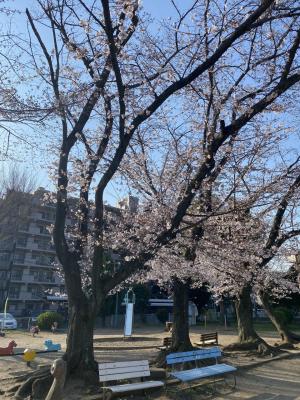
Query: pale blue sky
{"x": 35, "y": 159}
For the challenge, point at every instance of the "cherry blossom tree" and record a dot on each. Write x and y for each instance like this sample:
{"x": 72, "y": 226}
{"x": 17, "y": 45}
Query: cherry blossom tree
{"x": 233, "y": 240}
{"x": 19, "y": 112}
{"x": 105, "y": 77}
{"x": 155, "y": 179}
{"x": 284, "y": 229}
{"x": 246, "y": 246}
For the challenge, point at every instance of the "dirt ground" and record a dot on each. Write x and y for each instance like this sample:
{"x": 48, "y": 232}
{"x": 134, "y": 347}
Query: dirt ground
{"x": 255, "y": 384}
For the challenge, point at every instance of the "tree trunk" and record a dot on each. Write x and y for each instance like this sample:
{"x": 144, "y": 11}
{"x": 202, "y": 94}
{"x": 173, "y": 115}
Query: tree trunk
{"x": 180, "y": 333}
{"x": 248, "y": 339}
{"x": 79, "y": 355}
{"x": 80, "y": 352}
{"x": 222, "y": 312}
{"x": 284, "y": 333}
{"x": 243, "y": 307}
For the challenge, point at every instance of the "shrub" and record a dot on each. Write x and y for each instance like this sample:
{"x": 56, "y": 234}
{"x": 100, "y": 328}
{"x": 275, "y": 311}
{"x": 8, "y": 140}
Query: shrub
{"x": 284, "y": 315}
{"x": 46, "y": 319}
{"x": 162, "y": 315}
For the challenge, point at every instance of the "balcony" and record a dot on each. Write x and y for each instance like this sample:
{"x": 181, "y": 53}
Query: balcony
{"x": 37, "y": 296}
{"x": 4, "y": 263}
{"x": 21, "y": 246}
{"x": 39, "y": 217}
{"x": 40, "y": 279}
{"x": 35, "y": 231}
{"x": 44, "y": 279}
{"x": 34, "y": 263}
{"x": 14, "y": 295}
{"x": 16, "y": 278}
{"x": 44, "y": 247}
{"x": 49, "y": 248}
{"x": 19, "y": 261}
{"x": 28, "y": 296}
{"x": 23, "y": 229}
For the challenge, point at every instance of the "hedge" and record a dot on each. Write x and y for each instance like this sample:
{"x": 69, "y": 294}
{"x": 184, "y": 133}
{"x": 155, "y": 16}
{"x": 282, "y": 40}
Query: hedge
{"x": 46, "y": 319}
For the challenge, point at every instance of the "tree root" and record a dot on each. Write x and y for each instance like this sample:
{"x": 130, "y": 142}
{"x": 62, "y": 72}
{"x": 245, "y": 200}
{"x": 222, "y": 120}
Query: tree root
{"x": 292, "y": 338}
{"x": 48, "y": 383}
{"x": 284, "y": 346}
{"x": 257, "y": 345}
{"x": 36, "y": 385}
{"x": 160, "y": 361}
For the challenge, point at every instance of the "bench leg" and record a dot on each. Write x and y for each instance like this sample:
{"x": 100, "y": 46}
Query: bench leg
{"x": 107, "y": 394}
{"x": 228, "y": 383}
{"x": 230, "y": 380}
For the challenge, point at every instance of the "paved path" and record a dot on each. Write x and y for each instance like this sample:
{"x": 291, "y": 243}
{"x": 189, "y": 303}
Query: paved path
{"x": 278, "y": 380}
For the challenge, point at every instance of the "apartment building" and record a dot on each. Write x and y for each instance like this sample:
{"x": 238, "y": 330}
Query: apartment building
{"x": 27, "y": 255}
{"x": 28, "y": 262}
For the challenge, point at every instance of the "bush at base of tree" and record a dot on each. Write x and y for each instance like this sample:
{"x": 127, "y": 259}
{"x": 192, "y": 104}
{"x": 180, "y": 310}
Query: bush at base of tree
{"x": 46, "y": 320}
{"x": 284, "y": 315}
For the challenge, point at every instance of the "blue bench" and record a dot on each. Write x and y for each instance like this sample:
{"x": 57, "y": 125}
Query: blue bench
{"x": 199, "y": 372}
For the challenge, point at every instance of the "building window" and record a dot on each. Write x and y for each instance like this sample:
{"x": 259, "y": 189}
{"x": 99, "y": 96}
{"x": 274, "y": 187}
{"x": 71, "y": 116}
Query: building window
{"x": 22, "y": 241}
{"x": 43, "y": 244}
{"x": 4, "y": 257}
{"x": 3, "y": 275}
{"x": 24, "y": 227}
{"x": 19, "y": 257}
{"x": 36, "y": 292}
{"x": 17, "y": 274}
{"x": 43, "y": 276}
{"x": 43, "y": 229}
{"x": 47, "y": 215}
{"x": 14, "y": 292}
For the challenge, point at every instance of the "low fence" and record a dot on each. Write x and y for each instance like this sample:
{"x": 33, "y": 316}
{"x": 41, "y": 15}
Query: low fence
{"x": 24, "y": 323}
{"x": 118, "y": 321}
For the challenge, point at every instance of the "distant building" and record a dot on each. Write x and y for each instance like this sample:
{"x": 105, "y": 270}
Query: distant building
{"x": 28, "y": 260}
{"x": 27, "y": 255}
{"x": 129, "y": 203}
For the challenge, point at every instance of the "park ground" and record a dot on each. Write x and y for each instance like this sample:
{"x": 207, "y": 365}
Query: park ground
{"x": 267, "y": 378}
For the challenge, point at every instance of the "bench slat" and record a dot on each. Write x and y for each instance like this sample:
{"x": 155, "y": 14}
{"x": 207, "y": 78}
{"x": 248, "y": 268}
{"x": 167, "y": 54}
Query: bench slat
{"x": 134, "y": 386}
{"x": 212, "y": 352}
{"x": 116, "y": 376}
{"x": 205, "y": 372}
{"x": 121, "y": 364}
{"x": 123, "y": 370}
{"x": 208, "y": 335}
{"x": 112, "y": 371}
{"x": 205, "y": 341}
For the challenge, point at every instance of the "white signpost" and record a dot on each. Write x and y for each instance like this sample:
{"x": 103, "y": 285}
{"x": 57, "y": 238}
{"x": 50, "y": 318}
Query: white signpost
{"x": 128, "y": 320}
{"x": 129, "y": 313}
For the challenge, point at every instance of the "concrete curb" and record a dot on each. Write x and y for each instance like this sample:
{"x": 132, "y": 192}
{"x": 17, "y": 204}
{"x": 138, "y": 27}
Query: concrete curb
{"x": 114, "y": 348}
{"x": 262, "y": 362}
{"x": 121, "y": 338}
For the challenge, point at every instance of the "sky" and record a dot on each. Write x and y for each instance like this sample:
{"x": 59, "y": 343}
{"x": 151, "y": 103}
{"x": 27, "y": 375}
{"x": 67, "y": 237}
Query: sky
{"x": 35, "y": 159}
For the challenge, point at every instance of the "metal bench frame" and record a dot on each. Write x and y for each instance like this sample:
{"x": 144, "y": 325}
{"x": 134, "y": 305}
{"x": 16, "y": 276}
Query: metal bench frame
{"x": 125, "y": 370}
{"x": 211, "y": 371}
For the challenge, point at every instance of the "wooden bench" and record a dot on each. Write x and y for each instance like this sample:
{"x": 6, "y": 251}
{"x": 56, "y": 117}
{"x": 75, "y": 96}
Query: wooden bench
{"x": 120, "y": 371}
{"x": 166, "y": 344}
{"x": 199, "y": 372}
{"x": 208, "y": 339}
